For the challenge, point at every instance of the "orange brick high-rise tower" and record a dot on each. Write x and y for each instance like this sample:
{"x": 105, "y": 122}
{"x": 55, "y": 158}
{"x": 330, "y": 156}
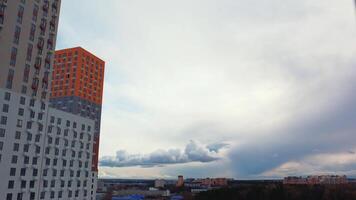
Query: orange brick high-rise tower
{"x": 77, "y": 87}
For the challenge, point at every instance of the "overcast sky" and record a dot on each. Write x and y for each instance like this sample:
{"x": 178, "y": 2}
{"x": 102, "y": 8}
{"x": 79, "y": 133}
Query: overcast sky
{"x": 209, "y": 88}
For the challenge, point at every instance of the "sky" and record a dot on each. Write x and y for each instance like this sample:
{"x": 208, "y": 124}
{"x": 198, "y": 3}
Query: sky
{"x": 221, "y": 88}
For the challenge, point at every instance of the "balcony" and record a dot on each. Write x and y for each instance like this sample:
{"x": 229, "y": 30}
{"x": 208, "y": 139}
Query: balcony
{"x": 34, "y": 85}
{"x": 40, "y": 43}
{"x": 43, "y": 25}
{"x": 38, "y": 63}
{"x": 45, "y": 6}
{"x": 50, "y": 43}
{"x": 55, "y": 7}
{"x": 52, "y": 24}
{"x": 48, "y": 60}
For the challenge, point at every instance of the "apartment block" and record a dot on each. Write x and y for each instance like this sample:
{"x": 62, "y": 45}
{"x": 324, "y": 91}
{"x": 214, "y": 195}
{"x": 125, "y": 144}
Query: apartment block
{"x": 45, "y": 153}
{"x": 77, "y": 87}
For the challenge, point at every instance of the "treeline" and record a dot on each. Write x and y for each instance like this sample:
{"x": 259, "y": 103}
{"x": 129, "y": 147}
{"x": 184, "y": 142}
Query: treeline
{"x": 281, "y": 192}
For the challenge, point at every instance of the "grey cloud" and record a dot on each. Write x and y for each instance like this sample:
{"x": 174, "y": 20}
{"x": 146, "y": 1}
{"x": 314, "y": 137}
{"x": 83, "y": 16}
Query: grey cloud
{"x": 330, "y": 132}
{"x": 192, "y": 153}
{"x": 216, "y": 147}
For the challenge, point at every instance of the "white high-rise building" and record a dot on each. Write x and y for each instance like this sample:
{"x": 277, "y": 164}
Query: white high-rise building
{"x": 44, "y": 153}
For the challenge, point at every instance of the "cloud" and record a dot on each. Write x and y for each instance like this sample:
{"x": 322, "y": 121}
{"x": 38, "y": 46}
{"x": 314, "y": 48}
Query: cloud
{"x": 192, "y": 153}
{"x": 319, "y": 163}
{"x": 216, "y": 147}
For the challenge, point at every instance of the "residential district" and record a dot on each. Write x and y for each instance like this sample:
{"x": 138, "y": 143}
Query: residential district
{"x": 160, "y": 189}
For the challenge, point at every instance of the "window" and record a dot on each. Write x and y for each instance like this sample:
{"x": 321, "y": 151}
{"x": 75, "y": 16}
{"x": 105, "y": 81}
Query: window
{"x": 10, "y": 77}
{"x": 7, "y": 96}
{"x": 2, "y": 132}
{"x": 3, "y": 120}
{"x": 26, "y": 147}
{"x": 53, "y": 183}
{"x": 32, "y": 32}
{"x": 38, "y": 149}
{"x": 32, "y": 184}
{"x": 5, "y": 108}
{"x": 17, "y": 35}
{"x": 23, "y": 184}
{"x": 29, "y": 52}
{"x": 9, "y": 196}
{"x": 23, "y": 89}
{"x": 21, "y": 112}
{"x": 35, "y": 172}
{"x": 19, "y": 196}
{"x": 16, "y": 147}
{"x": 48, "y": 161}
{"x": 13, "y": 56}
{"x": 34, "y": 160}
{"x": 49, "y": 130}
{"x": 14, "y": 159}
{"x": 20, "y": 14}
{"x": 32, "y": 114}
{"x": 40, "y": 116}
{"x": 29, "y": 137}
{"x": 43, "y": 106}
{"x": 37, "y": 138}
{"x": 22, "y": 100}
{"x": 19, "y": 123}
{"x": 32, "y": 196}
{"x": 35, "y": 13}
{"x": 17, "y": 135}
{"x": 26, "y": 73}
{"x": 40, "y": 127}
{"x": 10, "y": 185}
{"x": 43, "y": 195}
{"x": 26, "y": 160}
{"x": 13, "y": 172}
{"x": 23, "y": 172}
{"x": 32, "y": 102}
{"x": 1, "y": 145}
{"x": 45, "y": 172}
{"x": 29, "y": 125}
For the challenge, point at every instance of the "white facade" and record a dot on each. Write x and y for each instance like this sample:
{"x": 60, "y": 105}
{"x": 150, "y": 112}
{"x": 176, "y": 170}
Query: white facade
{"x": 66, "y": 166}
{"x": 45, "y": 153}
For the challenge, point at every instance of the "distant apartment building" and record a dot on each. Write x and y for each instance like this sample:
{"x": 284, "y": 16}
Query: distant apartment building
{"x": 207, "y": 182}
{"x": 160, "y": 183}
{"x": 45, "y": 153}
{"x": 316, "y": 180}
{"x": 77, "y": 88}
{"x": 180, "y": 182}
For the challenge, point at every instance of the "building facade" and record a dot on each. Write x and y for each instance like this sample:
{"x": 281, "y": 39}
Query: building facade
{"x": 77, "y": 88}
{"x": 45, "y": 153}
